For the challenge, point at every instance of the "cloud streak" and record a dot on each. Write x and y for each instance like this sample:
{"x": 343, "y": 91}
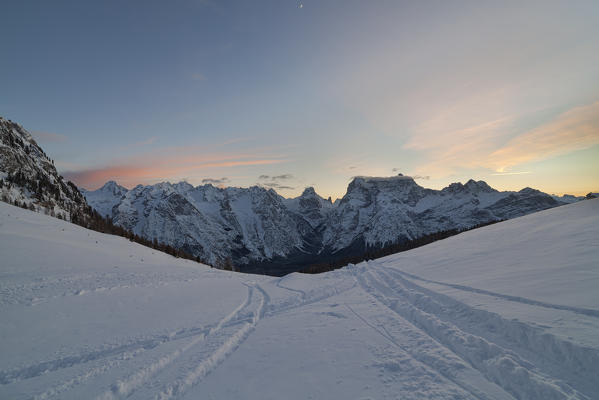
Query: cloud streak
{"x": 488, "y": 145}
{"x": 48, "y": 136}
{"x": 152, "y": 168}
{"x": 276, "y": 177}
{"x": 217, "y": 182}
{"x": 273, "y": 181}
{"x": 276, "y": 185}
{"x": 573, "y": 130}
{"x": 511, "y": 173}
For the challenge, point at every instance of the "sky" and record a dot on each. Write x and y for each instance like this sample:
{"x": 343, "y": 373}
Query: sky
{"x": 290, "y": 94}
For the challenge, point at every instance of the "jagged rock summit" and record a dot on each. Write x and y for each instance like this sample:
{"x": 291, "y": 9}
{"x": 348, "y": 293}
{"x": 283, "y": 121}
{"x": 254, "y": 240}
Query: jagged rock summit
{"x": 28, "y": 175}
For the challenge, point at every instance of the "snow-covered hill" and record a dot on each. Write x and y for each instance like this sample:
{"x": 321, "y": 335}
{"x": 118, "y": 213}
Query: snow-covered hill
{"x": 257, "y": 227}
{"x": 509, "y": 311}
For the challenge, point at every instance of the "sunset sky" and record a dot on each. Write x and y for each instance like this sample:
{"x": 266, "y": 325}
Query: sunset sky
{"x": 290, "y": 94}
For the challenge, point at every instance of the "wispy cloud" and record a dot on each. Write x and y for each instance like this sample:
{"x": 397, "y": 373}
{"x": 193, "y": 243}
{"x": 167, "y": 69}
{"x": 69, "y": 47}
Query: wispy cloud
{"x": 423, "y": 177}
{"x": 282, "y": 177}
{"x": 171, "y": 164}
{"x": 575, "y": 129}
{"x": 490, "y": 145}
{"x": 276, "y": 177}
{"x": 463, "y": 148}
{"x": 276, "y": 185}
{"x": 273, "y": 181}
{"x": 511, "y": 173}
{"x": 217, "y": 182}
{"x": 48, "y": 136}
{"x": 198, "y": 76}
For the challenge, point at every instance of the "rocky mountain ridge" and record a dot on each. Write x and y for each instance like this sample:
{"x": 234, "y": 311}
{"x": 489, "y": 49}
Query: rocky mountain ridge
{"x": 259, "y": 230}
{"x": 28, "y": 176}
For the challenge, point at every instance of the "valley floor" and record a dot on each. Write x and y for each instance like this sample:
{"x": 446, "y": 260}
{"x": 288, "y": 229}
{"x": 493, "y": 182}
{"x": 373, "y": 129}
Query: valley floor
{"x": 509, "y": 311}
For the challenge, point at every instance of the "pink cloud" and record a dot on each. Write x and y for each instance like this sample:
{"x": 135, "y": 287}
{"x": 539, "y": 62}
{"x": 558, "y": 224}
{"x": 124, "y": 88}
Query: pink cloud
{"x": 149, "y": 169}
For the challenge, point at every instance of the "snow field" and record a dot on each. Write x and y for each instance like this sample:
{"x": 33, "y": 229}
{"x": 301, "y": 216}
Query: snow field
{"x": 509, "y": 311}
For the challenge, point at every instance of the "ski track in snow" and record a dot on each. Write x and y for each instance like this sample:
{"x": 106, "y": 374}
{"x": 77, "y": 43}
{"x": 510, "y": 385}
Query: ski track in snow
{"x": 46, "y": 290}
{"x": 467, "y": 351}
{"x": 523, "y": 300}
{"x": 126, "y": 387}
{"x": 548, "y": 352}
{"x": 301, "y": 293}
{"x": 440, "y": 346}
{"x": 427, "y": 351}
{"x": 501, "y": 366}
{"x": 179, "y": 387}
{"x": 115, "y": 355}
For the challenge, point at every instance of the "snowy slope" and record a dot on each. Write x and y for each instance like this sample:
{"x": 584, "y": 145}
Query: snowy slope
{"x": 255, "y": 225}
{"x": 509, "y": 311}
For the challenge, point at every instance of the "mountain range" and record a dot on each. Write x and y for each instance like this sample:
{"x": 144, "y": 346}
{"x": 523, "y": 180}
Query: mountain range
{"x": 256, "y": 229}
{"x": 261, "y": 231}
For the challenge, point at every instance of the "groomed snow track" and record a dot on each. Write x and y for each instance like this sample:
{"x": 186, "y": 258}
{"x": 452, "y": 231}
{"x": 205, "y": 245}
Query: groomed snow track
{"x": 414, "y": 336}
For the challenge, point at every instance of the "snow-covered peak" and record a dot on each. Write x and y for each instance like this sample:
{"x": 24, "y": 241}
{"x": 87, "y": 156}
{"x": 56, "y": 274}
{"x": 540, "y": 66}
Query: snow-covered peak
{"x": 471, "y": 187}
{"x": 113, "y": 188}
{"x": 183, "y": 186}
{"x": 106, "y": 197}
{"x": 478, "y": 187}
{"x": 398, "y": 182}
{"x": 529, "y": 190}
{"x": 17, "y": 129}
{"x": 310, "y": 206}
{"x": 309, "y": 192}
